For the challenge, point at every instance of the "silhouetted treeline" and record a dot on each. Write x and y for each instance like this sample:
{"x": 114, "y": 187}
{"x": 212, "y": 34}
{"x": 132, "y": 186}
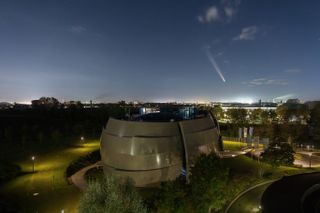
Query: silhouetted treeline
{"x": 54, "y": 125}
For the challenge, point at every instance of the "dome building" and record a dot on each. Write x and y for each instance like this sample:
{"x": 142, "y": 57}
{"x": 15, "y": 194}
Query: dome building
{"x": 154, "y": 149}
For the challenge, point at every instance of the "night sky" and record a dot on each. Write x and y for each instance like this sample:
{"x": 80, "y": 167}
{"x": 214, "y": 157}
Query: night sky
{"x": 159, "y": 50}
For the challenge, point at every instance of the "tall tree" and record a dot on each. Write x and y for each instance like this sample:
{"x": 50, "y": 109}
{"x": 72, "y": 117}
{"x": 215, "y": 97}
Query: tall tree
{"x": 218, "y": 112}
{"x": 279, "y": 154}
{"x": 255, "y": 116}
{"x": 238, "y": 116}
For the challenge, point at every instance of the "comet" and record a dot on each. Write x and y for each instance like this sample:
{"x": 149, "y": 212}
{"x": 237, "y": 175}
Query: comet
{"x": 215, "y": 65}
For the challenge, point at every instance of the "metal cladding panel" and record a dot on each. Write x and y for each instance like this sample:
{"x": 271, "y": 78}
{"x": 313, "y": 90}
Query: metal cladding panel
{"x": 140, "y": 145}
{"x": 148, "y": 177}
{"x": 201, "y": 136}
{"x": 139, "y": 128}
{"x": 141, "y": 162}
{"x": 197, "y": 125}
{"x": 201, "y": 142}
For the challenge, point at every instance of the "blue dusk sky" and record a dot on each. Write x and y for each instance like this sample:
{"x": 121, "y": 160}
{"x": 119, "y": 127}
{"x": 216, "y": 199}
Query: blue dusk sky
{"x": 159, "y": 50}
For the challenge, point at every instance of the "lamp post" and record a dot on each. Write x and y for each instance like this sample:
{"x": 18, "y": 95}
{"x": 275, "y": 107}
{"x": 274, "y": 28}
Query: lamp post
{"x": 310, "y": 154}
{"x": 82, "y": 139}
{"x": 33, "y": 159}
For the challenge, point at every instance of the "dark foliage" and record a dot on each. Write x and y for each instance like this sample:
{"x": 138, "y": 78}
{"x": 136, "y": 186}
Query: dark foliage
{"x": 53, "y": 125}
{"x": 82, "y": 162}
{"x": 207, "y": 189}
{"x": 111, "y": 195}
{"x": 8, "y": 171}
{"x": 7, "y": 206}
{"x": 279, "y": 154}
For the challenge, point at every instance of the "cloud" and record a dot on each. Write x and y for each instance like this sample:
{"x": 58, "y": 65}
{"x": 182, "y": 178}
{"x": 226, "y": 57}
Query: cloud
{"x": 293, "y": 71}
{"x": 77, "y": 29}
{"x": 229, "y": 11}
{"x": 284, "y": 97}
{"x": 231, "y": 2}
{"x": 266, "y": 81}
{"x": 247, "y": 33}
{"x": 210, "y": 15}
{"x": 224, "y": 11}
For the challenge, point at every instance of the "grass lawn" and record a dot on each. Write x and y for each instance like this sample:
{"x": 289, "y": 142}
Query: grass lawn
{"x": 54, "y": 193}
{"x": 233, "y": 145}
{"x": 244, "y": 164}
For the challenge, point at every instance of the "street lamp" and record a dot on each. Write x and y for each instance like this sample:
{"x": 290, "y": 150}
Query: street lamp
{"x": 33, "y": 159}
{"x": 82, "y": 138}
{"x": 310, "y": 154}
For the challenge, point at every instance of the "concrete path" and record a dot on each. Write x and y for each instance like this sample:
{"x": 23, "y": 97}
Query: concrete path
{"x": 78, "y": 178}
{"x": 254, "y": 202}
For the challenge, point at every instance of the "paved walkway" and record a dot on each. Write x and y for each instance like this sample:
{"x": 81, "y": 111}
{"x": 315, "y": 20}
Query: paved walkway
{"x": 78, "y": 178}
{"x": 245, "y": 203}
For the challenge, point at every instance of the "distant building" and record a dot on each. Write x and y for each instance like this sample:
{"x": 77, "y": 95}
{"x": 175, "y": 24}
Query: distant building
{"x": 249, "y": 107}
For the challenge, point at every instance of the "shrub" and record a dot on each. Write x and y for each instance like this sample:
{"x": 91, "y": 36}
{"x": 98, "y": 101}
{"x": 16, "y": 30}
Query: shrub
{"x": 8, "y": 171}
{"x": 209, "y": 178}
{"x": 111, "y": 195}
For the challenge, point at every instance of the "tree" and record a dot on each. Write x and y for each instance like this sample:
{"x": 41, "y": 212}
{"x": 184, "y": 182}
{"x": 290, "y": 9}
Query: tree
{"x": 273, "y": 116}
{"x": 279, "y": 154}
{"x": 108, "y": 195}
{"x": 8, "y": 134}
{"x": 173, "y": 196}
{"x": 56, "y": 136}
{"x": 208, "y": 181}
{"x": 218, "y": 112}
{"x": 292, "y": 112}
{"x": 315, "y": 122}
{"x": 282, "y": 113}
{"x": 238, "y": 116}
{"x": 265, "y": 117}
{"x": 255, "y": 116}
